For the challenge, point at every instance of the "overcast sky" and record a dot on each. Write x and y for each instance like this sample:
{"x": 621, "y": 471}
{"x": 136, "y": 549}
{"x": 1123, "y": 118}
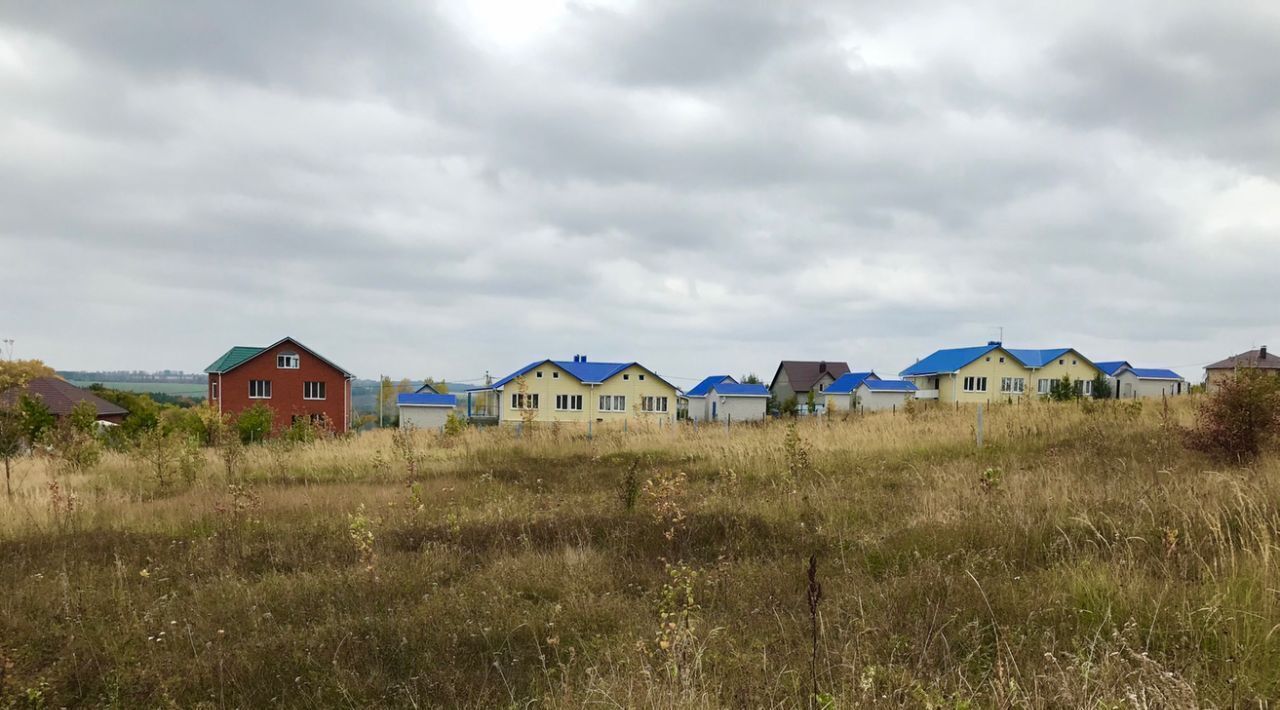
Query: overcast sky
{"x": 704, "y": 187}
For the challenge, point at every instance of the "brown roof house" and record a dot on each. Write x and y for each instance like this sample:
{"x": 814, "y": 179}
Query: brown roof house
{"x": 1217, "y": 372}
{"x": 61, "y": 397}
{"x": 797, "y": 378}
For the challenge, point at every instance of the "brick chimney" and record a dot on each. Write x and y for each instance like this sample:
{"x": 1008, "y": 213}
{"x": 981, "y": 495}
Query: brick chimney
{"x": 1262, "y": 353}
{"x": 822, "y": 366}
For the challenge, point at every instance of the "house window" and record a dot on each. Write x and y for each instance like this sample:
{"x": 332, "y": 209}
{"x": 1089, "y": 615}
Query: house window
{"x": 653, "y": 404}
{"x": 1044, "y": 386}
{"x": 520, "y": 400}
{"x": 1084, "y": 388}
{"x": 569, "y": 402}
{"x": 555, "y": 375}
{"x": 313, "y": 390}
{"x": 287, "y": 361}
{"x": 1073, "y": 362}
{"x": 1014, "y": 385}
{"x": 259, "y": 389}
{"x": 613, "y": 403}
{"x": 539, "y": 373}
{"x": 975, "y": 384}
{"x": 1062, "y": 362}
{"x": 988, "y": 359}
{"x": 213, "y": 390}
{"x": 1001, "y": 359}
{"x": 626, "y": 377}
{"x": 642, "y": 377}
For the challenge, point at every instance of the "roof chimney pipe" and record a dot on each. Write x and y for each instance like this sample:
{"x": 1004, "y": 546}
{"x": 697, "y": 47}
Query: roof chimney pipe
{"x": 993, "y": 342}
{"x": 1262, "y": 353}
{"x": 822, "y": 366}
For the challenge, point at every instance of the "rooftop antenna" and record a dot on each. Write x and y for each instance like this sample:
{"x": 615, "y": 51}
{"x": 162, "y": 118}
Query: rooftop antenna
{"x": 1001, "y": 334}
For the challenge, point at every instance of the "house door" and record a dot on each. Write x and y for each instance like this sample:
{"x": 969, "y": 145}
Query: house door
{"x": 713, "y": 409}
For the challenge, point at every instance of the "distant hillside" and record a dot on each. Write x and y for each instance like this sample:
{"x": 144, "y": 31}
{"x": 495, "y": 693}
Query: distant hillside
{"x": 167, "y": 383}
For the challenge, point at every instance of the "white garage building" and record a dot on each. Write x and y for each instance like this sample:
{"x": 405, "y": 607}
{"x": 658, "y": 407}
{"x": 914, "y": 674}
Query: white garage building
{"x": 425, "y": 410}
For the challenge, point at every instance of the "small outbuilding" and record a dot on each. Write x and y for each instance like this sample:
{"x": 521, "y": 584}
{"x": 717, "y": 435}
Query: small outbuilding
{"x": 425, "y": 410}
{"x": 876, "y": 395}
{"x": 842, "y": 395}
{"x": 1129, "y": 382}
{"x": 720, "y": 398}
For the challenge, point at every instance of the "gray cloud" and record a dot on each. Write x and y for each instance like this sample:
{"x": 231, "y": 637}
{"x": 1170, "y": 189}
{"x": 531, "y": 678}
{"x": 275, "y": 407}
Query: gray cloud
{"x": 703, "y": 186}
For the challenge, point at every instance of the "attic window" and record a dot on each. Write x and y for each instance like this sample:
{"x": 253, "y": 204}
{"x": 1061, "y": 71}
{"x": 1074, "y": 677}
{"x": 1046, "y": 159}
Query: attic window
{"x": 555, "y": 375}
{"x": 1062, "y": 362}
{"x": 287, "y": 361}
{"x": 1073, "y": 362}
{"x": 1002, "y": 359}
{"x": 539, "y": 373}
{"x": 626, "y": 377}
{"x": 642, "y": 377}
{"x": 988, "y": 359}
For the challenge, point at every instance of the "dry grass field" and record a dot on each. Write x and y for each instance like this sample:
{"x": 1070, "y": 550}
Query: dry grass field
{"x": 1081, "y": 558}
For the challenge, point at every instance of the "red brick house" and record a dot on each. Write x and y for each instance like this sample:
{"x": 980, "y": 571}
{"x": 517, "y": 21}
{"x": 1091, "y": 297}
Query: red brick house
{"x": 290, "y": 378}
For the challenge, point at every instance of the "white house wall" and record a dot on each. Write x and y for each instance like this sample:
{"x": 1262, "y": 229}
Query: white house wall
{"x": 424, "y": 417}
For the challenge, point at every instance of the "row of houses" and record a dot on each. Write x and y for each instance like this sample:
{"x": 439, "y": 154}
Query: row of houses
{"x": 297, "y": 382}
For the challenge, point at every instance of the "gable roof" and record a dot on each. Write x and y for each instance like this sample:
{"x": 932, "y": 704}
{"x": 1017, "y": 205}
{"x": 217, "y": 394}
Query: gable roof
{"x": 947, "y": 361}
{"x": 61, "y": 397}
{"x": 848, "y": 382}
{"x": 588, "y": 373}
{"x": 426, "y": 399}
{"x": 1153, "y": 373}
{"x": 804, "y": 374}
{"x": 701, "y": 389}
{"x": 878, "y": 385}
{"x": 1038, "y": 358}
{"x": 240, "y": 354}
{"x": 1254, "y": 358}
{"x": 1109, "y": 367}
{"x": 733, "y": 389}
{"x": 953, "y": 359}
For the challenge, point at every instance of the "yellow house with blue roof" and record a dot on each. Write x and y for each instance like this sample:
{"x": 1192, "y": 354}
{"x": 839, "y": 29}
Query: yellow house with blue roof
{"x": 577, "y": 390}
{"x": 994, "y": 373}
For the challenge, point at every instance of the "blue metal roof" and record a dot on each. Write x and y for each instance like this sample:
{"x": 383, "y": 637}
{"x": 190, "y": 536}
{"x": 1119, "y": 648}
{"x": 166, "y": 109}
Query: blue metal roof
{"x": 1154, "y": 373}
{"x": 889, "y": 386}
{"x": 582, "y": 370}
{"x": 848, "y": 382}
{"x": 426, "y": 399}
{"x": 733, "y": 389}
{"x": 1037, "y": 358}
{"x": 948, "y": 360}
{"x": 705, "y": 386}
{"x": 1109, "y": 367}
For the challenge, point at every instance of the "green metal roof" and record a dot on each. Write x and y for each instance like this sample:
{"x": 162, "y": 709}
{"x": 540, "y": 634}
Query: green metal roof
{"x": 233, "y": 357}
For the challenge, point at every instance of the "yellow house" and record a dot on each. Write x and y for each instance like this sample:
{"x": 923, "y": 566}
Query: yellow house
{"x": 994, "y": 373}
{"x": 579, "y": 391}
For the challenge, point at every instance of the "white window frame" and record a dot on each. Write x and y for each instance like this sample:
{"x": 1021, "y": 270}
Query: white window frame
{"x": 1044, "y": 386}
{"x": 652, "y": 403}
{"x": 288, "y": 361}
{"x": 972, "y": 382}
{"x": 213, "y": 389}
{"x": 1013, "y": 385}
{"x": 313, "y": 386}
{"x": 613, "y": 403}
{"x": 568, "y": 403}
{"x": 263, "y": 389}
{"x": 521, "y": 400}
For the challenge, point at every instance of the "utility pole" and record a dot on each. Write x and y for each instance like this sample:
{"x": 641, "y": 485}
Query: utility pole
{"x": 381, "y": 382}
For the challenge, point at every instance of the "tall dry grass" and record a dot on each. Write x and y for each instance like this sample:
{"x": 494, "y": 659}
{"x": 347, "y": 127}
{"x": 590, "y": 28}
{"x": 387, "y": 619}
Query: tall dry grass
{"x": 1079, "y": 558}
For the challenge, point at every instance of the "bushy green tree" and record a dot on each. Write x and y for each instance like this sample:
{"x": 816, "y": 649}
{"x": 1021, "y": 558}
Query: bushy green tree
{"x": 1101, "y": 387}
{"x": 36, "y": 419}
{"x": 1063, "y": 390}
{"x": 12, "y": 441}
{"x": 254, "y": 423}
